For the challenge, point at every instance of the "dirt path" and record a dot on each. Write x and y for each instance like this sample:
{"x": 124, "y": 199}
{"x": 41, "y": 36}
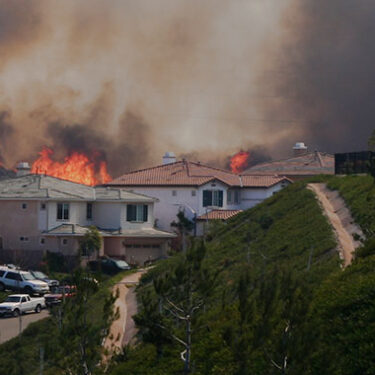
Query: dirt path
{"x": 341, "y": 220}
{"x": 123, "y": 328}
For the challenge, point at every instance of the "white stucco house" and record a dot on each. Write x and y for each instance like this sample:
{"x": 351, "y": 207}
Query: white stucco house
{"x": 197, "y": 189}
{"x": 40, "y": 213}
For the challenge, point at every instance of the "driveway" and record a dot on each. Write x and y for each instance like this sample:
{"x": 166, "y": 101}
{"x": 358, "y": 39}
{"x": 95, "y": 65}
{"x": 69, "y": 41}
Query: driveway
{"x": 10, "y": 326}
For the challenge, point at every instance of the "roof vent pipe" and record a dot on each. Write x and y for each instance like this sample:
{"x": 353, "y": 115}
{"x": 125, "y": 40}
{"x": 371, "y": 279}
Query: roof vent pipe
{"x": 299, "y": 149}
{"x": 169, "y": 158}
{"x": 23, "y": 169}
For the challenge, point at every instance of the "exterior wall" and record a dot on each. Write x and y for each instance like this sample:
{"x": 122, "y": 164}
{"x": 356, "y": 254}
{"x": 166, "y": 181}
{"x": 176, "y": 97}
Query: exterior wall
{"x": 212, "y": 186}
{"x": 166, "y": 209}
{"x": 250, "y": 197}
{"x": 77, "y": 214}
{"x": 137, "y": 225}
{"x": 17, "y": 222}
{"x": 107, "y": 215}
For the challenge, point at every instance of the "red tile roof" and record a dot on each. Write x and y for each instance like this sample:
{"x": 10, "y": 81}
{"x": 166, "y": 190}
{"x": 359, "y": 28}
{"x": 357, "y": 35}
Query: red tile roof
{"x": 312, "y": 163}
{"x": 219, "y": 215}
{"x": 185, "y": 173}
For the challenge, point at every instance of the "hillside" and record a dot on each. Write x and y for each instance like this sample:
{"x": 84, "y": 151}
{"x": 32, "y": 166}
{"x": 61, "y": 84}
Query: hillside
{"x": 267, "y": 263}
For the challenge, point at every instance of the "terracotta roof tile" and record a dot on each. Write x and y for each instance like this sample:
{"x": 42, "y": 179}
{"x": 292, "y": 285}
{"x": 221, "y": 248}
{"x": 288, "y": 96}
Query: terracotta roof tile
{"x": 219, "y": 215}
{"x": 185, "y": 173}
{"x": 309, "y": 164}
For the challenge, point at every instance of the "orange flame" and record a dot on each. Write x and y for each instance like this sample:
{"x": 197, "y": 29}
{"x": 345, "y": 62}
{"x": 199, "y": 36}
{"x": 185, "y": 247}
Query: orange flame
{"x": 239, "y": 161}
{"x": 77, "y": 167}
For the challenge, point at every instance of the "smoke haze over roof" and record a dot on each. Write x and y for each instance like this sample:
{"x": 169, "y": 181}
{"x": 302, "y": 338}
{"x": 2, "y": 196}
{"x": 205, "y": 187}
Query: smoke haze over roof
{"x": 132, "y": 79}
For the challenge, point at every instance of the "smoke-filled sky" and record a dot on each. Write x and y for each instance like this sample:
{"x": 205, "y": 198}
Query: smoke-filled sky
{"x": 131, "y": 79}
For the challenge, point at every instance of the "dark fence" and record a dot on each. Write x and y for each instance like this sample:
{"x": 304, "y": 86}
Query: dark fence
{"x": 353, "y": 162}
{"x": 22, "y": 258}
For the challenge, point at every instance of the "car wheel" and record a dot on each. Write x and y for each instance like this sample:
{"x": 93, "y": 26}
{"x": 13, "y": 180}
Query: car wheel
{"x": 16, "y": 312}
{"x": 28, "y": 290}
{"x": 38, "y": 309}
{"x": 2, "y": 287}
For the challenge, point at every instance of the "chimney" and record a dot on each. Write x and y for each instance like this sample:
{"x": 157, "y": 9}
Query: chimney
{"x": 23, "y": 169}
{"x": 299, "y": 149}
{"x": 169, "y": 158}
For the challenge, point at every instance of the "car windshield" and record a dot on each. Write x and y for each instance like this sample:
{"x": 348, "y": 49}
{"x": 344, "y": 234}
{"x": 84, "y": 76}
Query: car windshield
{"x": 13, "y": 299}
{"x": 28, "y": 276}
{"x": 40, "y": 275}
{"x": 121, "y": 263}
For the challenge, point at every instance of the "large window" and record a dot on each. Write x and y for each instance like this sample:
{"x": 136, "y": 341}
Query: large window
{"x": 213, "y": 198}
{"x": 137, "y": 212}
{"x": 62, "y": 211}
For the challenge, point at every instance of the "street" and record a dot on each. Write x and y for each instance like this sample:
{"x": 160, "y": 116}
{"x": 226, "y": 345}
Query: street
{"x": 10, "y": 326}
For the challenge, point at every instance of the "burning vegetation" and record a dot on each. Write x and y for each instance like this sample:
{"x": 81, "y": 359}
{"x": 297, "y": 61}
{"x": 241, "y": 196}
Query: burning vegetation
{"x": 239, "y": 162}
{"x": 76, "y": 167}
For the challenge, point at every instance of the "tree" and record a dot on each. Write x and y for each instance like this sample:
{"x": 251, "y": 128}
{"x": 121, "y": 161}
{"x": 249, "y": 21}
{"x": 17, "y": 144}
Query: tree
{"x": 180, "y": 293}
{"x": 80, "y": 328}
{"x": 184, "y": 227}
{"x": 91, "y": 242}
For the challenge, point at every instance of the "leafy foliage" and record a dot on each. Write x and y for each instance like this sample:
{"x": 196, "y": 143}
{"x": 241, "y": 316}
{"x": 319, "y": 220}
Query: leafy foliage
{"x": 359, "y": 193}
{"x": 265, "y": 265}
{"x": 91, "y": 242}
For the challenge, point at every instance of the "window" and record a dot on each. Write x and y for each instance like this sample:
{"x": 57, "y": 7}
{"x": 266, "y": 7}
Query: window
{"x": 212, "y": 198}
{"x": 64, "y": 241}
{"x": 174, "y": 193}
{"x": 42, "y": 206}
{"x": 137, "y": 212}
{"x": 13, "y": 276}
{"x": 23, "y": 299}
{"x": 24, "y": 206}
{"x": 233, "y": 196}
{"x": 229, "y": 197}
{"x": 62, "y": 211}
{"x": 25, "y": 239}
{"x": 89, "y": 211}
{"x": 42, "y": 240}
{"x": 193, "y": 193}
{"x": 2, "y": 273}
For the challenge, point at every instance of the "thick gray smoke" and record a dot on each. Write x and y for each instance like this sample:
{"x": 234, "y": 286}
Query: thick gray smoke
{"x": 319, "y": 74}
{"x": 131, "y": 79}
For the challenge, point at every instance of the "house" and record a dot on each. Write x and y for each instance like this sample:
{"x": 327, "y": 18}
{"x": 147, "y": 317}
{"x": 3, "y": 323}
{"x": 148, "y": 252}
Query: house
{"x": 40, "y": 213}
{"x": 303, "y": 164}
{"x": 196, "y": 189}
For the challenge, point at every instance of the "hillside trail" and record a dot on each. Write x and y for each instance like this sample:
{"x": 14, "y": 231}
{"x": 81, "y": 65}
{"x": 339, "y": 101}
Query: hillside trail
{"x": 123, "y": 329}
{"x": 341, "y": 220}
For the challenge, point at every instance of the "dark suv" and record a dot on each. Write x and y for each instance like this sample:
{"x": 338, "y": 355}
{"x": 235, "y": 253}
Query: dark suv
{"x": 108, "y": 265}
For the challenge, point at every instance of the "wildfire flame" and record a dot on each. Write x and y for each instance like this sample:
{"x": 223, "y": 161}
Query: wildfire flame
{"x": 239, "y": 161}
{"x": 77, "y": 167}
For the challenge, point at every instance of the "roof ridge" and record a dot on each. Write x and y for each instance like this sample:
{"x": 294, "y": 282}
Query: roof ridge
{"x": 142, "y": 170}
{"x": 215, "y": 168}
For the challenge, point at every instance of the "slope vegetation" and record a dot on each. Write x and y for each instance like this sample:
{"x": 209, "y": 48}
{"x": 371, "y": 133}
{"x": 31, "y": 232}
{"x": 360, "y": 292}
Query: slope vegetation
{"x": 267, "y": 265}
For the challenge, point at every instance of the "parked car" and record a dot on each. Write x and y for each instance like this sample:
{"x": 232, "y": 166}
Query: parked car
{"x": 17, "y": 304}
{"x": 42, "y": 276}
{"x": 108, "y": 265}
{"x": 58, "y": 293}
{"x": 21, "y": 280}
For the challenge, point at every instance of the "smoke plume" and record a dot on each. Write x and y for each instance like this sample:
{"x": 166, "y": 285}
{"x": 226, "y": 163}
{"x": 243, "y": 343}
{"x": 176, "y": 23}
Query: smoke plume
{"x": 131, "y": 79}
{"x": 318, "y": 74}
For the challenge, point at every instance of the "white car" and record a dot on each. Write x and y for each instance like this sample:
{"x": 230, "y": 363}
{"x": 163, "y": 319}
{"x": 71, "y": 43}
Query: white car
{"x": 17, "y": 304}
{"x": 21, "y": 280}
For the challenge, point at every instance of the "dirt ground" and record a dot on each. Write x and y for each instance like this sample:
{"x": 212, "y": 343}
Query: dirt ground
{"x": 123, "y": 328}
{"x": 341, "y": 220}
